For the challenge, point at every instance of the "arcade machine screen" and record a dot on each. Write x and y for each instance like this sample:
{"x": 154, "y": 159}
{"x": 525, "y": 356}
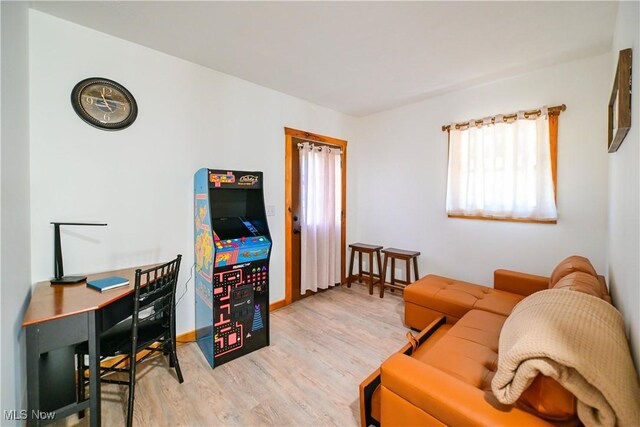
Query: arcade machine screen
{"x": 231, "y": 228}
{"x": 228, "y": 202}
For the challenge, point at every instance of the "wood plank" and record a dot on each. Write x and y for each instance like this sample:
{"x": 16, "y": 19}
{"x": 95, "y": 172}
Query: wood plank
{"x": 321, "y": 349}
{"x": 400, "y": 253}
{"x": 277, "y": 305}
{"x": 185, "y": 338}
{"x": 288, "y": 217}
{"x": 293, "y": 272}
{"x": 365, "y": 247}
{"x": 488, "y": 218}
{"x": 50, "y": 302}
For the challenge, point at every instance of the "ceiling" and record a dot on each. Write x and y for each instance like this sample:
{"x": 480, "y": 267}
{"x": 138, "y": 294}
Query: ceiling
{"x": 357, "y": 57}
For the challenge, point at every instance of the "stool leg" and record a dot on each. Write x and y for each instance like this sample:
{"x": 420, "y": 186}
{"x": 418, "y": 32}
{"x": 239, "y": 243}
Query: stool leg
{"x": 383, "y": 276}
{"x": 359, "y": 266}
{"x": 415, "y": 267}
{"x": 350, "y": 277}
{"x": 370, "y": 273}
{"x": 380, "y": 269}
{"x": 393, "y": 273}
{"x": 408, "y": 271}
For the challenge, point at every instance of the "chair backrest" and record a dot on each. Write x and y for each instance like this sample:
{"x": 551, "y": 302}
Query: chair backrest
{"x": 155, "y": 290}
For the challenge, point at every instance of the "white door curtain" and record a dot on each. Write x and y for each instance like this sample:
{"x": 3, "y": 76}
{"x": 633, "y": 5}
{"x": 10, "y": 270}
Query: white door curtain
{"x": 320, "y": 212}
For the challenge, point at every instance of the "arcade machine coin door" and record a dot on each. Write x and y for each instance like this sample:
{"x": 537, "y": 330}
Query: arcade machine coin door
{"x": 232, "y": 250}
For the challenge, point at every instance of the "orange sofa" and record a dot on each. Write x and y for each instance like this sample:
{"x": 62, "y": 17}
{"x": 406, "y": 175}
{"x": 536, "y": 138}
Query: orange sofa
{"x": 443, "y": 376}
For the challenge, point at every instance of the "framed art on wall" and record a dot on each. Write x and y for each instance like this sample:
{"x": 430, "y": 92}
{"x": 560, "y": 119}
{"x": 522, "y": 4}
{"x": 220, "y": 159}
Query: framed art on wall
{"x": 620, "y": 102}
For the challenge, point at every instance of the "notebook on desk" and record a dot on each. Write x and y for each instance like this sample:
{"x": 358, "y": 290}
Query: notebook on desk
{"x": 107, "y": 283}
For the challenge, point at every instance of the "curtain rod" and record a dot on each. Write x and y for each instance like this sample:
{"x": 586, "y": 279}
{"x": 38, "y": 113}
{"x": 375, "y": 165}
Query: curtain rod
{"x": 319, "y": 147}
{"x": 527, "y": 114}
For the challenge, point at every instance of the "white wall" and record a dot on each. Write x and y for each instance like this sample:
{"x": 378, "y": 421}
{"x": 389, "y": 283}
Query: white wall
{"x": 15, "y": 257}
{"x": 624, "y": 189}
{"x": 403, "y": 158}
{"x": 140, "y": 180}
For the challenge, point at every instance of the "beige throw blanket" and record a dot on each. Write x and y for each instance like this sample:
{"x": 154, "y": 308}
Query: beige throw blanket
{"x": 578, "y": 340}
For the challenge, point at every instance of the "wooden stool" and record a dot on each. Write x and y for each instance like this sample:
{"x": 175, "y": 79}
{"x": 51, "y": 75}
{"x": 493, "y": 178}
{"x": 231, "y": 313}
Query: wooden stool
{"x": 367, "y": 249}
{"x": 400, "y": 254}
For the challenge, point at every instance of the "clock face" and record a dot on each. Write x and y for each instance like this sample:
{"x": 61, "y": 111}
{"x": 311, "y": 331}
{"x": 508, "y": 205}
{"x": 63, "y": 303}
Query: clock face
{"x": 104, "y": 104}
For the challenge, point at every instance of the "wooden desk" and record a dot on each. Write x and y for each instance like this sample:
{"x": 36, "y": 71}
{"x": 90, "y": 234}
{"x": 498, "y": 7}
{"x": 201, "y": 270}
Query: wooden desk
{"x": 59, "y": 317}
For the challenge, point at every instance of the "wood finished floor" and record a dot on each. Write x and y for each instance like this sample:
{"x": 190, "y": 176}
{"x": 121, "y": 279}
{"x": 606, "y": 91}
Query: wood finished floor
{"x": 322, "y": 347}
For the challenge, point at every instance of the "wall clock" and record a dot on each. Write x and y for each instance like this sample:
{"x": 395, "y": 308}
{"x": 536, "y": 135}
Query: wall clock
{"x": 104, "y": 103}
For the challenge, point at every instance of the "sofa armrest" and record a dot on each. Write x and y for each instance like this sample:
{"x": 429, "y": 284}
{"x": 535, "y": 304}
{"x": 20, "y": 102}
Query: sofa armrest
{"x": 446, "y": 398}
{"x": 519, "y": 283}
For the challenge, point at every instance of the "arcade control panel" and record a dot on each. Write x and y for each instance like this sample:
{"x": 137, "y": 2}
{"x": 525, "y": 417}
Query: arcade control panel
{"x": 240, "y": 300}
{"x": 239, "y": 250}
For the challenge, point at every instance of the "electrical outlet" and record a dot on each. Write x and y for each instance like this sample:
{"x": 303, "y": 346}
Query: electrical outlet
{"x": 271, "y": 210}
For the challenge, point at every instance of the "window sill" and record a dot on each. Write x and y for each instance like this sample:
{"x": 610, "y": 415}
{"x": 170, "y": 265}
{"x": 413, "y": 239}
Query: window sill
{"x": 492, "y": 218}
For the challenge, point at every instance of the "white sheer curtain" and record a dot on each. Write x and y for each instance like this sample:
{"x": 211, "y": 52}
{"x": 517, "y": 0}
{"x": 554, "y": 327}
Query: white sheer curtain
{"x": 320, "y": 207}
{"x": 502, "y": 170}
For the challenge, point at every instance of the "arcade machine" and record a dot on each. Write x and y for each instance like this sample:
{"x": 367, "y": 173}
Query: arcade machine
{"x": 232, "y": 248}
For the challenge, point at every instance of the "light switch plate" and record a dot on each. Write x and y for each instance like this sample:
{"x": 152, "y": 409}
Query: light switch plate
{"x": 271, "y": 210}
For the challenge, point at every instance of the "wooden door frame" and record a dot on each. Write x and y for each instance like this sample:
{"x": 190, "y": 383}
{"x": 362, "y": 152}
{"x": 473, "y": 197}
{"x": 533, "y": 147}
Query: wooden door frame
{"x": 288, "y": 217}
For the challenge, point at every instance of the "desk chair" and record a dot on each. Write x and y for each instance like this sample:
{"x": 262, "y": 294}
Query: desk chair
{"x": 151, "y": 328}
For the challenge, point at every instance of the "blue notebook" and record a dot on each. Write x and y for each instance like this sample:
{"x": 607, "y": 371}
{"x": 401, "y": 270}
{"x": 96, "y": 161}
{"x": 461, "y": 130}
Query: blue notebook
{"x": 108, "y": 283}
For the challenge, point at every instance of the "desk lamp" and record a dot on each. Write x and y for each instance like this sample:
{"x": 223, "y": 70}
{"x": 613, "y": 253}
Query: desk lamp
{"x": 60, "y": 278}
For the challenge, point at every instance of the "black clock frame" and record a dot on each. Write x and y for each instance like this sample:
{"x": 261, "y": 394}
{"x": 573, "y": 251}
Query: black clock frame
{"x": 76, "y": 98}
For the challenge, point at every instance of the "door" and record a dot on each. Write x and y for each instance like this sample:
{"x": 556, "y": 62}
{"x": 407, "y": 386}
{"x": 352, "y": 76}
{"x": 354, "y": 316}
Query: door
{"x": 292, "y": 207}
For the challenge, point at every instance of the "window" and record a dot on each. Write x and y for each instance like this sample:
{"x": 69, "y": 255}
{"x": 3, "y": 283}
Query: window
{"x": 504, "y": 167}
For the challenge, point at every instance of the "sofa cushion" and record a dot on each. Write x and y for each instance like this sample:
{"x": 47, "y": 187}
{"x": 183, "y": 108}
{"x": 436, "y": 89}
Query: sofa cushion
{"x": 546, "y": 398}
{"x": 570, "y": 265}
{"x": 455, "y": 298}
{"x": 469, "y": 350}
{"x": 582, "y": 282}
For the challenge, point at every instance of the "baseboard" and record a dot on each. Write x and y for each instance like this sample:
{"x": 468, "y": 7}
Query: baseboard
{"x": 185, "y": 338}
{"x": 277, "y": 305}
